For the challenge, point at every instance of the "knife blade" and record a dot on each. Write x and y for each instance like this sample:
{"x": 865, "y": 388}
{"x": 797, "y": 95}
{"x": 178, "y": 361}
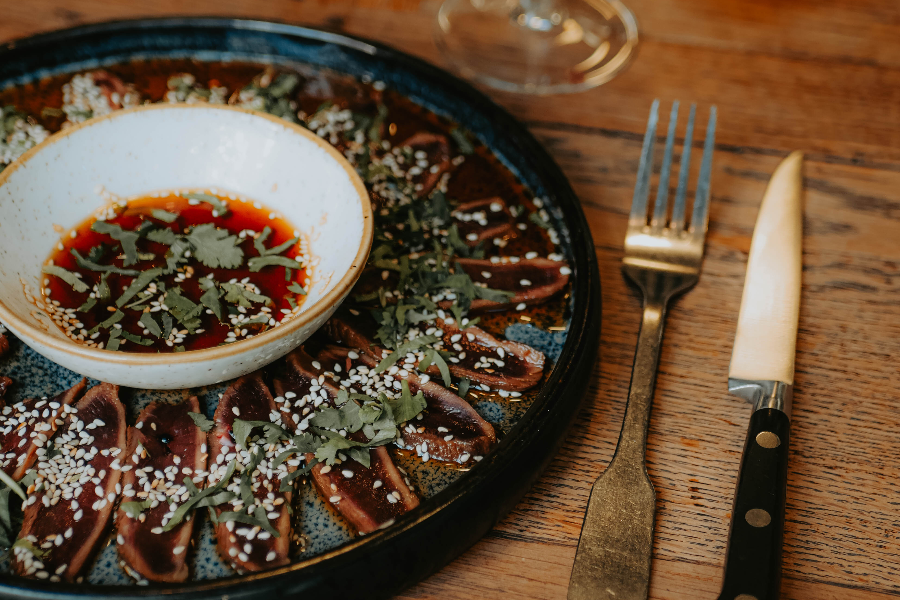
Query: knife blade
{"x": 762, "y": 371}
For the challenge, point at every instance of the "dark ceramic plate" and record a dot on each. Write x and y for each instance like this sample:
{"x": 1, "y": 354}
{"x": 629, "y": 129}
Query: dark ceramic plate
{"x": 459, "y": 510}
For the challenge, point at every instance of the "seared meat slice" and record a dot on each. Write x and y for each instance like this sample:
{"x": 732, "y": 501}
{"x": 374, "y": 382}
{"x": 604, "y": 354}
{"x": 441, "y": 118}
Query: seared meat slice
{"x": 437, "y": 155}
{"x": 26, "y": 426}
{"x": 4, "y": 344}
{"x": 368, "y": 497}
{"x": 480, "y": 357}
{"x": 249, "y": 547}
{"x": 448, "y": 429}
{"x": 164, "y": 441}
{"x": 531, "y": 281}
{"x": 5, "y": 384}
{"x": 483, "y": 219}
{"x": 71, "y": 500}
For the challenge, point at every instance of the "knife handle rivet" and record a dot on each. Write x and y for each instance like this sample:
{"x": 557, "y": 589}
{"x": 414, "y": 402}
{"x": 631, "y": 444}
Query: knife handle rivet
{"x": 758, "y": 517}
{"x": 746, "y": 597}
{"x": 767, "y": 439}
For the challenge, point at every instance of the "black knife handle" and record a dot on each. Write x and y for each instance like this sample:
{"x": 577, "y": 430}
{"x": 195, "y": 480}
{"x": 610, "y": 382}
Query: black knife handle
{"x": 753, "y": 557}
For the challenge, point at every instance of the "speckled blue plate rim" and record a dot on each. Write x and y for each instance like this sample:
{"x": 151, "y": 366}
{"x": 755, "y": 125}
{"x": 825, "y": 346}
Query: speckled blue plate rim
{"x": 442, "y": 527}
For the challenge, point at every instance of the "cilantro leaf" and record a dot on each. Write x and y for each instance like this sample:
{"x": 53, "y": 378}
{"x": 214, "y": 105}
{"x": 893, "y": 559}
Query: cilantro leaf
{"x": 92, "y": 266}
{"x": 210, "y": 299}
{"x": 281, "y": 247}
{"x": 73, "y": 279}
{"x": 128, "y": 239}
{"x": 204, "y": 423}
{"x": 136, "y": 338}
{"x": 462, "y": 141}
{"x": 163, "y": 215}
{"x": 183, "y": 309}
{"x": 167, "y": 325}
{"x": 259, "y": 239}
{"x": 537, "y": 220}
{"x": 220, "y": 208}
{"x": 241, "y": 430}
{"x": 104, "y": 294}
{"x": 297, "y": 289}
{"x": 88, "y": 305}
{"x": 257, "y": 263}
{"x": 199, "y": 496}
{"x": 139, "y": 283}
{"x": 162, "y": 236}
{"x": 150, "y": 324}
{"x": 407, "y": 406}
{"x": 236, "y": 293}
{"x": 404, "y": 349}
{"x": 134, "y": 509}
{"x": 216, "y": 248}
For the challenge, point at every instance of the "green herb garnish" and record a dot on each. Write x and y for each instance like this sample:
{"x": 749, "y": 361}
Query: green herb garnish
{"x": 73, "y": 279}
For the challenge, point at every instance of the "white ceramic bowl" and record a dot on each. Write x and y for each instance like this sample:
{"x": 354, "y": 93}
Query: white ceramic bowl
{"x": 54, "y": 187}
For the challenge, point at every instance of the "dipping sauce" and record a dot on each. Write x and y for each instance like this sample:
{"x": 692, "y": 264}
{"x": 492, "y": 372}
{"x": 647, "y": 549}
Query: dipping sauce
{"x": 176, "y": 272}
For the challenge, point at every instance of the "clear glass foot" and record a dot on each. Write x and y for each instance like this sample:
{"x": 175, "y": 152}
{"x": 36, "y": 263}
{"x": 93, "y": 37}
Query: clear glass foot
{"x": 537, "y": 46}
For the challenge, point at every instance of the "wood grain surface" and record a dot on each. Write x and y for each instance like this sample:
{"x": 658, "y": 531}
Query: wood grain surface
{"x": 822, "y": 76}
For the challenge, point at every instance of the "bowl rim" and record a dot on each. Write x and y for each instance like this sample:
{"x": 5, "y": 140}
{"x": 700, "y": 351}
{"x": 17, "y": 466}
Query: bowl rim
{"x": 318, "y": 309}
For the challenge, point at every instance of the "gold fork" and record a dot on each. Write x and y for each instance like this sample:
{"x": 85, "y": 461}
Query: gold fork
{"x": 662, "y": 258}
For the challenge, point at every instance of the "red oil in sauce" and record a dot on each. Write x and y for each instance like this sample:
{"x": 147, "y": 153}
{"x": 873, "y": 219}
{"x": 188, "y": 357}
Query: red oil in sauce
{"x": 243, "y": 216}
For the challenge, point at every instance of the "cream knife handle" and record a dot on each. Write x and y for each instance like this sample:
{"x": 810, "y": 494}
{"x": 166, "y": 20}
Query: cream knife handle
{"x": 766, "y": 337}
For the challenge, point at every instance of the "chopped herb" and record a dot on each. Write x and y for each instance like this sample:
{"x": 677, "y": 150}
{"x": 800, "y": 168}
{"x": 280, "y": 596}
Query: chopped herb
{"x": 404, "y": 349}
{"x": 258, "y": 263}
{"x": 216, "y": 248}
{"x": 134, "y": 509}
{"x": 136, "y": 338}
{"x": 462, "y": 141}
{"x": 115, "y": 318}
{"x": 128, "y": 239}
{"x": 34, "y": 550}
{"x": 183, "y": 309}
{"x": 88, "y": 305}
{"x": 73, "y": 279}
{"x": 241, "y": 430}
{"x": 297, "y": 289}
{"x": 220, "y": 208}
{"x": 196, "y": 498}
{"x": 140, "y": 282}
{"x": 114, "y": 341}
{"x": 204, "y": 423}
{"x": 537, "y": 220}
{"x": 438, "y": 360}
{"x": 162, "y": 236}
{"x": 463, "y": 387}
{"x": 92, "y": 266}
{"x": 167, "y": 325}
{"x": 210, "y": 299}
{"x": 163, "y": 215}
{"x": 407, "y": 407}
{"x": 236, "y": 293}
{"x": 97, "y": 252}
{"x": 150, "y": 323}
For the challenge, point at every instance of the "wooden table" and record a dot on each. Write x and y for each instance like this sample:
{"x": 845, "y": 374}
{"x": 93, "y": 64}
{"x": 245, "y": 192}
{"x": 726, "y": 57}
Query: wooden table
{"x": 818, "y": 75}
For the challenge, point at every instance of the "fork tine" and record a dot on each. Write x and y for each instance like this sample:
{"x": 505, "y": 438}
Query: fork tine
{"x": 681, "y": 193}
{"x": 645, "y": 168}
{"x": 700, "y": 218}
{"x": 662, "y": 193}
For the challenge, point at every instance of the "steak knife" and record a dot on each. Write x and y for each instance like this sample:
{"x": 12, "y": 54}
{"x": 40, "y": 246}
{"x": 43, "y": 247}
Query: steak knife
{"x": 762, "y": 371}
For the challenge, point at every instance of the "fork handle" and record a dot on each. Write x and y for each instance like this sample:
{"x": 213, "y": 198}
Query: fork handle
{"x": 753, "y": 558}
{"x": 614, "y": 551}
